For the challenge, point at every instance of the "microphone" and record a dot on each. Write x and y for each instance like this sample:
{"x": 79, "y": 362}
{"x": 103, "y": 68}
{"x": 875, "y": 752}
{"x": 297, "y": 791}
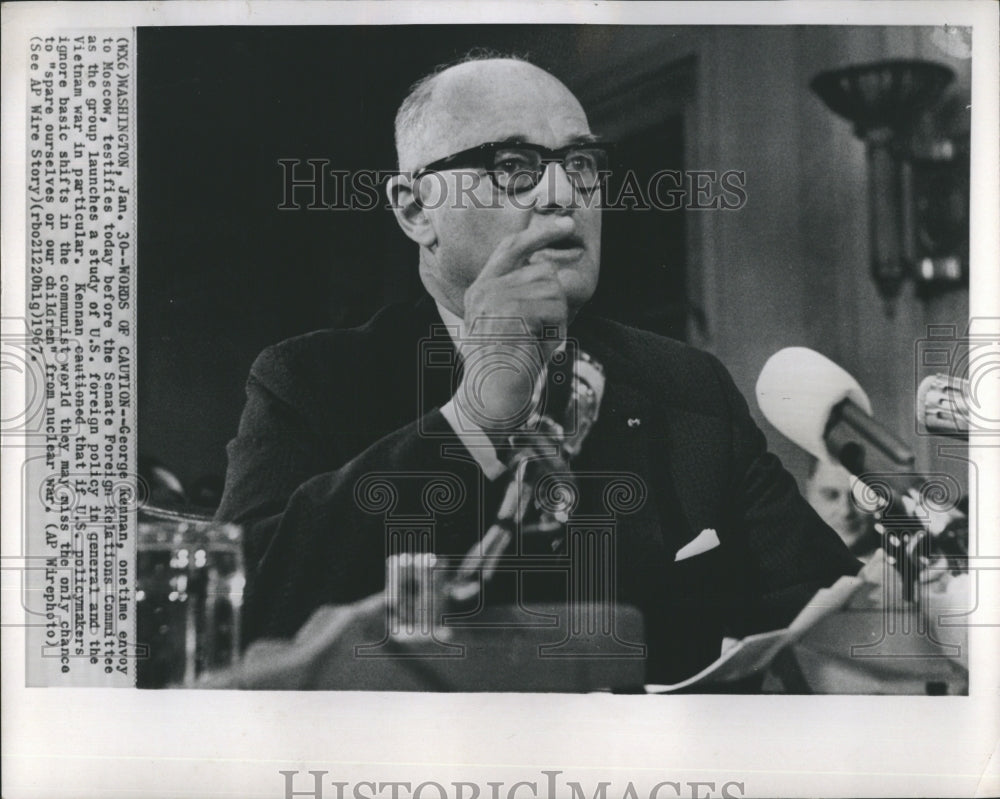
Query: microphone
{"x": 583, "y": 405}
{"x": 557, "y": 436}
{"x": 535, "y": 455}
{"x": 942, "y": 407}
{"x": 821, "y": 408}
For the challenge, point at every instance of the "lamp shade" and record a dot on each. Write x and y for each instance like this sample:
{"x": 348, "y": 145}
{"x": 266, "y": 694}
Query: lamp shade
{"x": 885, "y": 94}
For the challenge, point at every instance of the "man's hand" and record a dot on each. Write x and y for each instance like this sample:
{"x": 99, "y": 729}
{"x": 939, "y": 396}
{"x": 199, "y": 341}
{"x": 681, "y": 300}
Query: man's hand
{"x": 507, "y": 309}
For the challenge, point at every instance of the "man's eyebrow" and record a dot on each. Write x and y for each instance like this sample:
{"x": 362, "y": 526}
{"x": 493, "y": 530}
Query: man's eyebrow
{"x": 514, "y": 138}
{"x": 582, "y": 138}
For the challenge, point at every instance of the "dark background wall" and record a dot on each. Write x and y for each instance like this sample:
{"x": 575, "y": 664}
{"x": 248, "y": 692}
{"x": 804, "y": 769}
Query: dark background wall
{"x": 223, "y": 272}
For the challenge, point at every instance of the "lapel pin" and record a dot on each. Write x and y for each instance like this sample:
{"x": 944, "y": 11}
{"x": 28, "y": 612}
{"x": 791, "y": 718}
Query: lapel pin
{"x": 634, "y": 422}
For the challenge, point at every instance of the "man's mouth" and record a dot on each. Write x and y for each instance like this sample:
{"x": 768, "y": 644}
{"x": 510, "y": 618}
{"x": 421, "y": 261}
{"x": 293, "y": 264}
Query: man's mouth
{"x": 569, "y": 246}
{"x": 568, "y": 242}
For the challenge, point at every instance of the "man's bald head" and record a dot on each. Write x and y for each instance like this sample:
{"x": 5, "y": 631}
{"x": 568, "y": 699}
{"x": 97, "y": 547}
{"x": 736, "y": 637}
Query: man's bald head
{"x": 456, "y": 99}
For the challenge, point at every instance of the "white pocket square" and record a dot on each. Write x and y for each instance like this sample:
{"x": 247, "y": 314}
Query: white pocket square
{"x": 705, "y": 540}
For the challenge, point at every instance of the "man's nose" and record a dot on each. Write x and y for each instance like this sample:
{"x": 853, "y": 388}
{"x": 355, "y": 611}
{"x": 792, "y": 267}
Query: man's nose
{"x": 555, "y": 192}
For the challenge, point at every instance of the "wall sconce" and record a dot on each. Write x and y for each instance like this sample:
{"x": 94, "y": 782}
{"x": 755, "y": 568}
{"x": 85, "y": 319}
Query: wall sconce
{"x": 918, "y": 172}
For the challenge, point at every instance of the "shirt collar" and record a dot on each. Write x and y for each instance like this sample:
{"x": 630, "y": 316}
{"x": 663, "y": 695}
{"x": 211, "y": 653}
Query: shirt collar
{"x": 453, "y": 322}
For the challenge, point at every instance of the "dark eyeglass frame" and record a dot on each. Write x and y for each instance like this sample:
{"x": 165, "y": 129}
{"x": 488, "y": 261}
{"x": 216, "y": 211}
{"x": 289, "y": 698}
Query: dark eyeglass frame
{"x": 481, "y": 157}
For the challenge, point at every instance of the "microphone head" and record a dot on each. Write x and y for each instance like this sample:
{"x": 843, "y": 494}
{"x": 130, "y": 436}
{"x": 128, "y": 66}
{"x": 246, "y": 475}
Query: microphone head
{"x": 798, "y": 389}
{"x": 585, "y": 403}
{"x": 942, "y": 406}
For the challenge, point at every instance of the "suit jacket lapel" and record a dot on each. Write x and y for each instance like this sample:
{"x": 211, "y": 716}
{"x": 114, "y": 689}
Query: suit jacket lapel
{"x": 690, "y": 439}
{"x": 674, "y": 448}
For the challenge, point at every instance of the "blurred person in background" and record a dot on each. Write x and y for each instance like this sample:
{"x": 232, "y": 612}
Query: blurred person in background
{"x": 828, "y": 490}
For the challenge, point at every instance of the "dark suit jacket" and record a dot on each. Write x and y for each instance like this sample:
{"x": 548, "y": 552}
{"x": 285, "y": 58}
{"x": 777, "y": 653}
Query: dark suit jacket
{"x": 328, "y": 409}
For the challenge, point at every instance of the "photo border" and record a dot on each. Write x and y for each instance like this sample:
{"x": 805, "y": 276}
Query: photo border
{"x": 108, "y": 742}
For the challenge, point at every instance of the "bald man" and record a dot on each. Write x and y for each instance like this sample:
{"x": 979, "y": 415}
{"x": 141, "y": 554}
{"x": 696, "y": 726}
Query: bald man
{"x": 345, "y": 432}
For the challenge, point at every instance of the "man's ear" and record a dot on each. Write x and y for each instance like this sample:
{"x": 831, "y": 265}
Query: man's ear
{"x": 410, "y": 215}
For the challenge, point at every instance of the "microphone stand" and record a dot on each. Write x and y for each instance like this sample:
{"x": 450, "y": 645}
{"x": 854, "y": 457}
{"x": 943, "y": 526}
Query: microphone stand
{"x": 898, "y": 497}
{"x": 535, "y": 454}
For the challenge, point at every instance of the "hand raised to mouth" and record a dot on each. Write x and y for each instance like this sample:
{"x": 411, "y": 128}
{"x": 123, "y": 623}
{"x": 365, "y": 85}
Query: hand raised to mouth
{"x": 517, "y": 296}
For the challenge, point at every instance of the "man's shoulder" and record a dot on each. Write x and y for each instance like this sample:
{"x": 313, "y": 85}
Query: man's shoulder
{"x": 384, "y": 324}
{"x": 641, "y": 342}
{"x": 672, "y": 370}
{"x": 321, "y": 357}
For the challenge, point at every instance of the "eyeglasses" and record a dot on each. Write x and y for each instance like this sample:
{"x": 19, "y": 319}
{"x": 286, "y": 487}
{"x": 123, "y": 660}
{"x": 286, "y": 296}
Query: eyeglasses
{"x": 515, "y": 167}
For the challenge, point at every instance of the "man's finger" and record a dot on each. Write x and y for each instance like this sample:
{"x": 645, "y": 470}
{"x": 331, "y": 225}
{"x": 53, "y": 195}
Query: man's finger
{"x": 529, "y": 273}
{"x": 511, "y": 253}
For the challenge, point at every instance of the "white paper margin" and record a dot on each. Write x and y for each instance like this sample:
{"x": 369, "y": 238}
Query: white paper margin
{"x": 100, "y": 742}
